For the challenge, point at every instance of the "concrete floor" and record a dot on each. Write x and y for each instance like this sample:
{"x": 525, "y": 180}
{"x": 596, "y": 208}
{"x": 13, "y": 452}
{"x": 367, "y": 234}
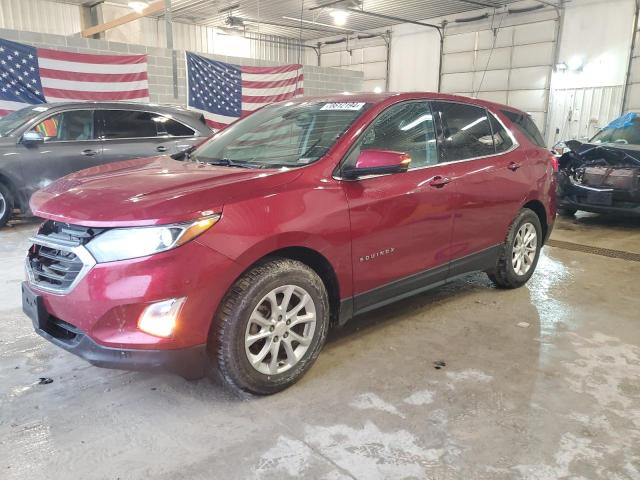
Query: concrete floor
{"x": 559, "y": 398}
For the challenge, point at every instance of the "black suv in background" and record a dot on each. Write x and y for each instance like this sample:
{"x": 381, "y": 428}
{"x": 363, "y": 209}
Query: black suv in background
{"x": 41, "y": 143}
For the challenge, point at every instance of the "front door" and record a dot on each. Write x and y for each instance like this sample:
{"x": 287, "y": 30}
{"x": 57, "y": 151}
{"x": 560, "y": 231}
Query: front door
{"x": 401, "y": 224}
{"x": 69, "y": 145}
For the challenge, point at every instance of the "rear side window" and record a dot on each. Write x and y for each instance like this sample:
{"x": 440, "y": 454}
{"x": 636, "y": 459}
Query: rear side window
{"x": 526, "y": 125}
{"x": 501, "y": 138}
{"x": 466, "y": 131}
{"x": 128, "y": 124}
{"x": 169, "y": 126}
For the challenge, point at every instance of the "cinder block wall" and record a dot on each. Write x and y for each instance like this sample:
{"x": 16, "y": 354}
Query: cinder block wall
{"x": 317, "y": 80}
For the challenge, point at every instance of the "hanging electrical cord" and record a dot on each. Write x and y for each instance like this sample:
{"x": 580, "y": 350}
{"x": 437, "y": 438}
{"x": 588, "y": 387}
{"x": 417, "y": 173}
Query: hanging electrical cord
{"x": 300, "y": 43}
{"x": 493, "y": 47}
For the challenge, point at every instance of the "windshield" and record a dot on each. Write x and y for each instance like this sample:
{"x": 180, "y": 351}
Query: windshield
{"x": 281, "y": 135}
{"x": 623, "y": 131}
{"x": 14, "y": 120}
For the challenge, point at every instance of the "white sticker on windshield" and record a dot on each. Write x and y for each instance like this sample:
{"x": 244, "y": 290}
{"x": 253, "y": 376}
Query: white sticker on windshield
{"x": 343, "y": 106}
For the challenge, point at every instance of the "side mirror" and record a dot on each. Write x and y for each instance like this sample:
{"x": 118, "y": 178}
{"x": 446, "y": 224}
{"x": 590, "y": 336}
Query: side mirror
{"x": 378, "y": 162}
{"x": 32, "y": 138}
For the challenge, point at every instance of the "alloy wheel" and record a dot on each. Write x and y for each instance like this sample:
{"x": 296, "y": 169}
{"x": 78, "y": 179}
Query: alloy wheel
{"x": 3, "y": 205}
{"x": 525, "y": 247}
{"x": 280, "y": 329}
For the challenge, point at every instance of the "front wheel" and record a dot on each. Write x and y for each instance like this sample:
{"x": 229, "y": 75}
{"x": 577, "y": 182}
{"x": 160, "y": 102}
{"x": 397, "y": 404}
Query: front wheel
{"x": 520, "y": 252}
{"x": 270, "y": 327}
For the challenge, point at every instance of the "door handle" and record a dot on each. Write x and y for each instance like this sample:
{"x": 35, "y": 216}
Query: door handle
{"x": 439, "y": 182}
{"x": 161, "y": 148}
{"x": 513, "y": 166}
{"x": 89, "y": 153}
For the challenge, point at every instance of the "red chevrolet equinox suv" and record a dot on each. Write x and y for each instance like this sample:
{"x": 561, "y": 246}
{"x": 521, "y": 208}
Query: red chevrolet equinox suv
{"x": 241, "y": 254}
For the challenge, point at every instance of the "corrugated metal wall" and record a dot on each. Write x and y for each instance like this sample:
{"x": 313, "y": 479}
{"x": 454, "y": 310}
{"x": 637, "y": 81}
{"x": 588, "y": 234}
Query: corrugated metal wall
{"x": 632, "y": 100}
{"x": 40, "y": 16}
{"x": 508, "y": 64}
{"x": 43, "y": 16}
{"x": 200, "y": 38}
{"x": 578, "y": 113}
{"x": 368, "y": 56}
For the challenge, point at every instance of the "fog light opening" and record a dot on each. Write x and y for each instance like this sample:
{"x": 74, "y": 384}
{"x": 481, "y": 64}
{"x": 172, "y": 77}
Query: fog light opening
{"x": 160, "y": 319}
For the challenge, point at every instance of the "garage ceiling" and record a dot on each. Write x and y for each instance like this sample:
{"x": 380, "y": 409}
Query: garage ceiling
{"x": 266, "y": 13}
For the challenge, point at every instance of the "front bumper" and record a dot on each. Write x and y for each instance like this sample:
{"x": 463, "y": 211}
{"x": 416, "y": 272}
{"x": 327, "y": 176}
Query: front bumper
{"x": 576, "y": 197}
{"x": 575, "y": 204}
{"x": 188, "y": 362}
{"x": 97, "y": 319}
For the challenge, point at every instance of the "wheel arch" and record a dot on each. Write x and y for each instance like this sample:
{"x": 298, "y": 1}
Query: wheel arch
{"x": 538, "y": 208}
{"x": 7, "y": 182}
{"x": 315, "y": 260}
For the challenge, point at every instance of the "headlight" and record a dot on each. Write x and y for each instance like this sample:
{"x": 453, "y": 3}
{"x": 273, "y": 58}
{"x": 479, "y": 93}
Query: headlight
{"x": 125, "y": 243}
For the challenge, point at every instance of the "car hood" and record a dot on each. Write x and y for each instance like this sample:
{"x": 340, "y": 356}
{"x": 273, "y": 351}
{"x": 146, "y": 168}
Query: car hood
{"x": 151, "y": 191}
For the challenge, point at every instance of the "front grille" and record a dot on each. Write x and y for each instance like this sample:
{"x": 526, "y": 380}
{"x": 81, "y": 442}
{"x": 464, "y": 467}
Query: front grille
{"x": 54, "y": 267}
{"x": 57, "y": 257}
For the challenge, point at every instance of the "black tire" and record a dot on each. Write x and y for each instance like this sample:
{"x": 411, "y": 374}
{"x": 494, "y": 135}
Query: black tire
{"x": 567, "y": 212}
{"x": 6, "y": 205}
{"x": 227, "y": 353}
{"x": 504, "y": 274}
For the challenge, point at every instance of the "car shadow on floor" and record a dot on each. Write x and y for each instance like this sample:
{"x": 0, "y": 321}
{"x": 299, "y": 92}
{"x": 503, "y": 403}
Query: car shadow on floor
{"x": 586, "y": 219}
{"x": 423, "y": 303}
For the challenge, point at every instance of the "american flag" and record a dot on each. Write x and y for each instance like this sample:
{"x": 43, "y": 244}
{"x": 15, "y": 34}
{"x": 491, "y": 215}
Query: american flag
{"x": 32, "y": 75}
{"x": 224, "y": 92}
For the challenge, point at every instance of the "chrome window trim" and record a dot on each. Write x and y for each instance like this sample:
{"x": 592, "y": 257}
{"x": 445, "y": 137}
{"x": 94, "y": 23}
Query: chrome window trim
{"x": 514, "y": 147}
{"x": 88, "y": 262}
{"x": 94, "y": 110}
{"x": 111, "y": 109}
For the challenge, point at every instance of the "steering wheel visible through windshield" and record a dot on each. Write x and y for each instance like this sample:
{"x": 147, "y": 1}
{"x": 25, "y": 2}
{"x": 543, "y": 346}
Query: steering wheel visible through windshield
{"x": 281, "y": 135}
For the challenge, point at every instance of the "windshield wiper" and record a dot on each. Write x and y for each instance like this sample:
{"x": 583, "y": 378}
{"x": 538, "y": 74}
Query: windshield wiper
{"x": 226, "y": 162}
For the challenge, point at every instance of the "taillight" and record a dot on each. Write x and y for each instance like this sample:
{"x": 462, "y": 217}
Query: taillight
{"x": 554, "y": 163}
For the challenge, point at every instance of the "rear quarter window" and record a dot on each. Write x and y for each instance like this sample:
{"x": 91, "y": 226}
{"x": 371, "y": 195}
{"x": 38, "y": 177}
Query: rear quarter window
{"x": 525, "y": 124}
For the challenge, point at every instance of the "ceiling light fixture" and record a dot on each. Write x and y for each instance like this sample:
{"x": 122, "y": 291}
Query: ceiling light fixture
{"x": 339, "y": 16}
{"x": 138, "y": 6}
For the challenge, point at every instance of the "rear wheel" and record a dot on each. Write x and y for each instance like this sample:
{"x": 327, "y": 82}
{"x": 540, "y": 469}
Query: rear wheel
{"x": 270, "y": 327}
{"x": 6, "y": 205}
{"x": 520, "y": 252}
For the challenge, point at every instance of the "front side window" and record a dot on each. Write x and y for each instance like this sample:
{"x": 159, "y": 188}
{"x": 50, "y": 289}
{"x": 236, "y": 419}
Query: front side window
{"x": 405, "y": 127}
{"x": 282, "y": 135}
{"x": 73, "y": 125}
{"x": 466, "y": 131}
{"x": 128, "y": 124}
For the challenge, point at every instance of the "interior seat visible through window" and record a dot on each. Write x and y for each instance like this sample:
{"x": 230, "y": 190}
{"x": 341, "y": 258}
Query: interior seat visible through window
{"x": 73, "y": 125}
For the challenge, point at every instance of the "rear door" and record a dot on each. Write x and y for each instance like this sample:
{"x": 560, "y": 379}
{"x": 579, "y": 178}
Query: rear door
{"x": 401, "y": 223}
{"x": 70, "y": 144}
{"x": 130, "y": 134}
{"x": 489, "y": 174}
